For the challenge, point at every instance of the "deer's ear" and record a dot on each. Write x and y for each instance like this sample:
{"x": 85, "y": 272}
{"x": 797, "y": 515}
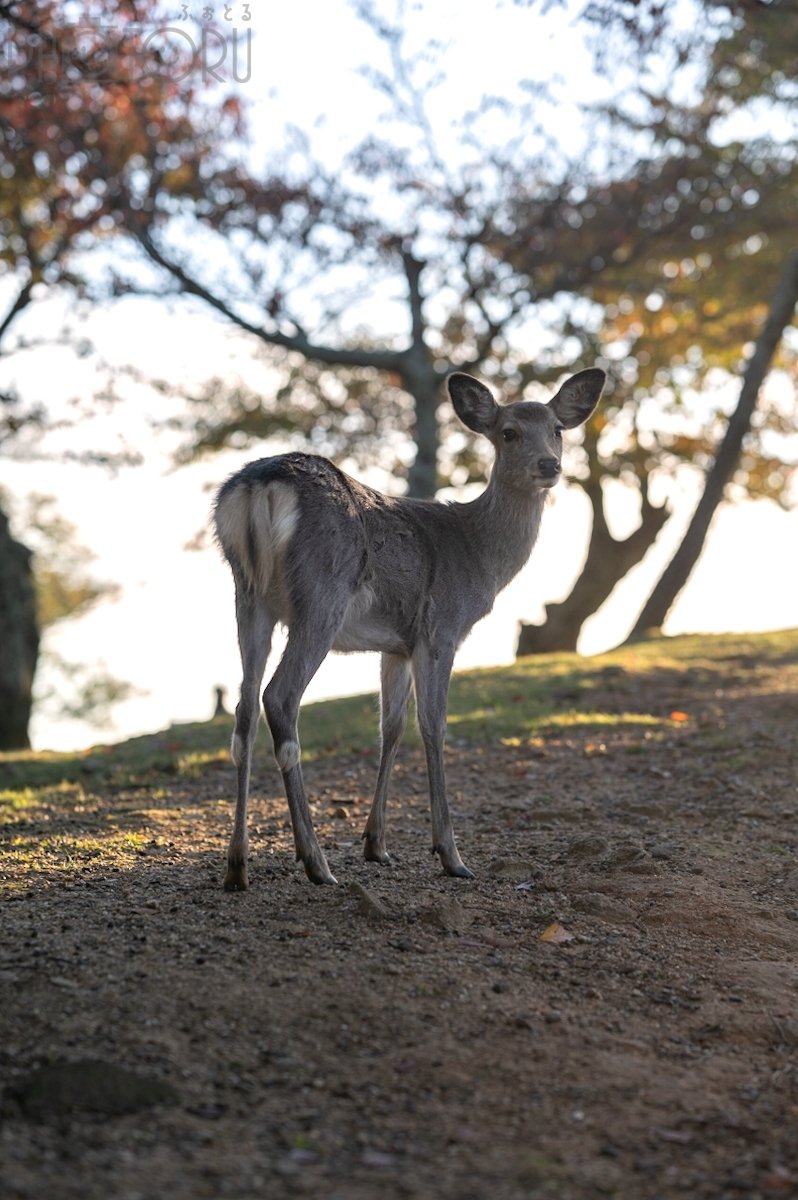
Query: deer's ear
{"x": 472, "y": 402}
{"x": 578, "y": 396}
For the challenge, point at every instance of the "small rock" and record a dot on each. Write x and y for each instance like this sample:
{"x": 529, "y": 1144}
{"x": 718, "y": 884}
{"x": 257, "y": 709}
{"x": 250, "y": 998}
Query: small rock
{"x": 606, "y": 908}
{"x": 446, "y": 914}
{"x": 367, "y": 905}
{"x": 586, "y": 848}
{"x": 627, "y": 857}
{"x": 662, "y": 852}
{"x": 341, "y": 813}
{"x": 62, "y": 1088}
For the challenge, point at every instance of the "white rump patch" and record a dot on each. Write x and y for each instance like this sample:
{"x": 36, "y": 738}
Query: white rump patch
{"x": 232, "y": 519}
{"x": 271, "y": 512}
{"x": 283, "y": 512}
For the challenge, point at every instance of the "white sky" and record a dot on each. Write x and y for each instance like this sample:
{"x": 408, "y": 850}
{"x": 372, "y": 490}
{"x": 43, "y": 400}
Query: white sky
{"x": 172, "y": 631}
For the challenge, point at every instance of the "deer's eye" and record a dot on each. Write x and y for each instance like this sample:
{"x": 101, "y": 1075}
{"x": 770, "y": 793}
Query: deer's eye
{"x": 509, "y": 435}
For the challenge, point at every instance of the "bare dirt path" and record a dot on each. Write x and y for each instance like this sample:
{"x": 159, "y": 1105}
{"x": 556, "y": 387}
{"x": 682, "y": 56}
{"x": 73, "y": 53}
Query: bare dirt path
{"x": 410, "y": 1035}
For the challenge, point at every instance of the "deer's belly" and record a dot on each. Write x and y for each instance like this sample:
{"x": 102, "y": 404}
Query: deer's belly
{"x": 365, "y": 628}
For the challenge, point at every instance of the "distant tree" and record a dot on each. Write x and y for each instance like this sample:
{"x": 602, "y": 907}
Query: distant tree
{"x": 641, "y": 252}
{"x": 85, "y": 100}
{"x": 682, "y": 290}
{"x": 677, "y": 572}
{"x": 19, "y": 638}
{"x": 66, "y": 587}
{"x": 503, "y": 254}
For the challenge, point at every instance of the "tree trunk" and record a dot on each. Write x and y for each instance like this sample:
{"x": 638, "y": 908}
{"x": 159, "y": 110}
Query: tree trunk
{"x": 422, "y": 478}
{"x": 608, "y": 561}
{"x": 423, "y": 383}
{"x": 678, "y": 570}
{"x": 19, "y": 640}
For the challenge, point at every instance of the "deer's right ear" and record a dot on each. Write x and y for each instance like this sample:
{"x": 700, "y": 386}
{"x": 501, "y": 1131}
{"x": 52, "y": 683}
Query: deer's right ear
{"x": 472, "y": 402}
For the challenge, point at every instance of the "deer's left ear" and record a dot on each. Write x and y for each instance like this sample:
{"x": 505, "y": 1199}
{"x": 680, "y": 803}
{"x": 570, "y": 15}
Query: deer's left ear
{"x": 578, "y": 396}
{"x": 472, "y": 402}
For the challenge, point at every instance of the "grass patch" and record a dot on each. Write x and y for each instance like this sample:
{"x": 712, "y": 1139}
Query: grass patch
{"x": 193, "y": 765}
{"x": 36, "y": 853}
{"x": 641, "y": 687}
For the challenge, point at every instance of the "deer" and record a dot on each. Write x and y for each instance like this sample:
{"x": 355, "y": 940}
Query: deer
{"x": 344, "y": 568}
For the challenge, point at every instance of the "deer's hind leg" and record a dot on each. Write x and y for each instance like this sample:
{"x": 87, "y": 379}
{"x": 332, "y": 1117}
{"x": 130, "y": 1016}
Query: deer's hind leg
{"x": 396, "y": 679}
{"x": 309, "y": 642}
{"x": 255, "y": 627}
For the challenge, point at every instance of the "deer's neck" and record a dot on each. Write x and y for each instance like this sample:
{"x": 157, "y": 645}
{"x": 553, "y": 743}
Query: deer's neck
{"x": 503, "y": 527}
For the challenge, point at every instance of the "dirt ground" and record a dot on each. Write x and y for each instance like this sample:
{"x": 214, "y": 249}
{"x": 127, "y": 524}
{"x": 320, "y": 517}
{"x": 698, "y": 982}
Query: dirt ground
{"x": 410, "y": 1035}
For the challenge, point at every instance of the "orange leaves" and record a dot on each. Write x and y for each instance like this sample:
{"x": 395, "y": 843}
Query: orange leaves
{"x": 556, "y": 934}
{"x": 681, "y": 718}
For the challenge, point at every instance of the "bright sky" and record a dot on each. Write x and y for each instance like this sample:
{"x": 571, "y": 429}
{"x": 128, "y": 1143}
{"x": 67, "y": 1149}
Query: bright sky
{"x": 172, "y": 631}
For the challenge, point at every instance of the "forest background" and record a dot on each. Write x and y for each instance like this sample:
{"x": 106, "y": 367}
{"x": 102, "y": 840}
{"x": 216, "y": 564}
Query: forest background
{"x": 229, "y": 230}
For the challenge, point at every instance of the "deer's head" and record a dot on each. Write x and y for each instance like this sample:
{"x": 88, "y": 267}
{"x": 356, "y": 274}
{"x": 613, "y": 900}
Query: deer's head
{"x": 527, "y": 435}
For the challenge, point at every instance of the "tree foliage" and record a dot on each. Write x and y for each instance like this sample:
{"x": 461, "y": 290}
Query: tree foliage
{"x": 86, "y": 104}
{"x": 487, "y": 246}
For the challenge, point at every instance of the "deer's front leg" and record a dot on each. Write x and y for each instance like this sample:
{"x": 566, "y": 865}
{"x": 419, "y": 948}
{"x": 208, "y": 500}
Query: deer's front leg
{"x": 431, "y": 672}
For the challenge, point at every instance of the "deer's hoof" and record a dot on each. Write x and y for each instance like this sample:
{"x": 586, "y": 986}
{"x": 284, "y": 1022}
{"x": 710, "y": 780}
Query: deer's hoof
{"x": 374, "y": 851}
{"x": 459, "y": 871}
{"x": 236, "y": 878}
{"x": 452, "y": 863}
{"x": 318, "y": 872}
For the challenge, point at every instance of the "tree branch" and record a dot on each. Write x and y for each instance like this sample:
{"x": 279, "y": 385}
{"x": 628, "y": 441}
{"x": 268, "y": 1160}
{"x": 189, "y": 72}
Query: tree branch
{"x": 413, "y": 268}
{"x": 22, "y": 301}
{"x": 382, "y": 360}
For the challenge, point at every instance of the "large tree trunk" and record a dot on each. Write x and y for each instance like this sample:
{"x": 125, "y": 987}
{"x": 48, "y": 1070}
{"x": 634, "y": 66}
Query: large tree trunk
{"x": 423, "y": 383}
{"x": 678, "y": 570}
{"x": 19, "y": 640}
{"x": 422, "y": 478}
{"x": 608, "y": 561}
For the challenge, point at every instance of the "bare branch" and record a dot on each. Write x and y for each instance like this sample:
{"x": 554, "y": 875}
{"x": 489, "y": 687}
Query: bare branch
{"x": 22, "y": 301}
{"x": 382, "y": 360}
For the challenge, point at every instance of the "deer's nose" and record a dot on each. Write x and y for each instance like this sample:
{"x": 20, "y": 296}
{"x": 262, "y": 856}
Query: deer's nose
{"x": 548, "y": 467}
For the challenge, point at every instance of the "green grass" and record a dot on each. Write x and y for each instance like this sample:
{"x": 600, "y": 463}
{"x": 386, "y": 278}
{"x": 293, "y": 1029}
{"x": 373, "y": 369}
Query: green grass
{"x": 66, "y": 813}
{"x": 636, "y": 688}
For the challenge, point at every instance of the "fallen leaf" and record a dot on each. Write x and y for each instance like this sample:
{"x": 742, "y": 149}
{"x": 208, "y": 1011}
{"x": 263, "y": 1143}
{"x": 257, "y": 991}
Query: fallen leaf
{"x": 556, "y": 933}
{"x": 679, "y": 716}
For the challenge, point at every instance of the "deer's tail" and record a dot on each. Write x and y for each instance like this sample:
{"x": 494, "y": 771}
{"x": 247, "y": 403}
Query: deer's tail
{"x": 253, "y": 524}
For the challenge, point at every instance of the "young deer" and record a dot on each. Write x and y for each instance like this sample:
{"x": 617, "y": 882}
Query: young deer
{"x": 346, "y": 568}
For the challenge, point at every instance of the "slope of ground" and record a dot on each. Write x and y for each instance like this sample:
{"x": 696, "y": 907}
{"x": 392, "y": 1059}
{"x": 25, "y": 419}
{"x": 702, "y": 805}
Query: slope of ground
{"x": 607, "y": 1009}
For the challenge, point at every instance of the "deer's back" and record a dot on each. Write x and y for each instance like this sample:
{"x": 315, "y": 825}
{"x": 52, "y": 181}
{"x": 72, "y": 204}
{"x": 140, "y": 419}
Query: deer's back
{"x": 407, "y": 565}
